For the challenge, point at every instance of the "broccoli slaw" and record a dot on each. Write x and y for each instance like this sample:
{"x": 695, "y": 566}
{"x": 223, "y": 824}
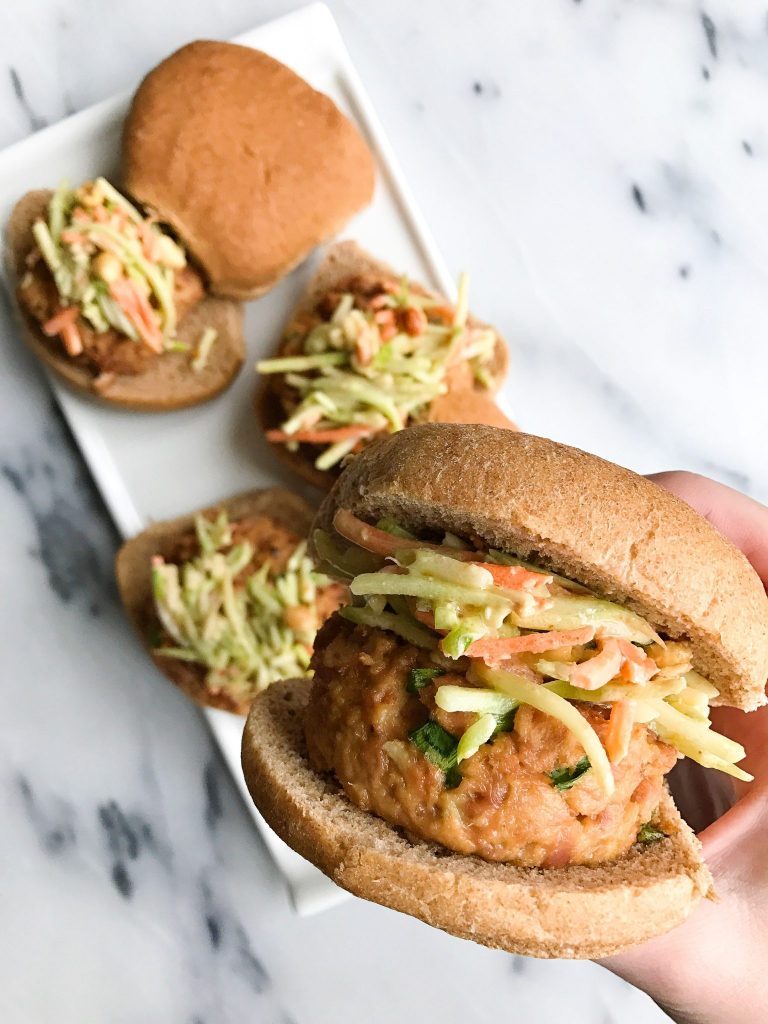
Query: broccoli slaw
{"x": 111, "y": 265}
{"x": 524, "y": 635}
{"x": 375, "y": 364}
{"x": 245, "y": 624}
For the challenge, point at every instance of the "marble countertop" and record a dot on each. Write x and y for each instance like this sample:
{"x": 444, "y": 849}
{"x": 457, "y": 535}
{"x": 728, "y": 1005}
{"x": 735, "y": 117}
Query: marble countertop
{"x": 601, "y": 171}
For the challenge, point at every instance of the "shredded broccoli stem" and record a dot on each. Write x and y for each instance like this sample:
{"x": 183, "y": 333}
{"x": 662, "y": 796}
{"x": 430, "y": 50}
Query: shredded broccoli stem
{"x": 362, "y": 367}
{"x": 238, "y": 629}
{"x": 495, "y": 611}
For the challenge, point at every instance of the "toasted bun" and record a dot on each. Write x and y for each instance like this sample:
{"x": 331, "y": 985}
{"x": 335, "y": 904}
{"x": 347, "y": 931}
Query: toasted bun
{"x": 561, "y": 912}
{"x": 169, "y": 383}
{"x": 462, "y": 404}
{"x": 621, "y": 535}
{"x": 134, "y": 579}
{"x": 249, "y": 164}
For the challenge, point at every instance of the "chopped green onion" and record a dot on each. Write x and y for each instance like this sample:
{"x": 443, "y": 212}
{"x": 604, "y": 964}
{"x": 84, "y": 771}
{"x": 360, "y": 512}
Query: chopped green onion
{"x": 421, "y": 677}
{"x": 505, "y": 722}
{"x": 440, "y": 748}
{"x": 564, "y": 778}
{"x": 649, "y": 834}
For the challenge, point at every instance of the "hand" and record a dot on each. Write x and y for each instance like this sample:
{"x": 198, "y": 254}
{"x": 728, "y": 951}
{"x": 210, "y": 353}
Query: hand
{"x": 713, "y": 969}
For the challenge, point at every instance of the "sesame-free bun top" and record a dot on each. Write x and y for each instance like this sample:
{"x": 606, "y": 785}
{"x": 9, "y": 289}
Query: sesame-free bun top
{"x": 618, "y": 533}
{"x": 249, "y": 164}
{"x": 168, "y": 382}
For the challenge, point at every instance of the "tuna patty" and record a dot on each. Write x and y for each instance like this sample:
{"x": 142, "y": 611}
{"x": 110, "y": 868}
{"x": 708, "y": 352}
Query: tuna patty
{"x": 506, "y": 807}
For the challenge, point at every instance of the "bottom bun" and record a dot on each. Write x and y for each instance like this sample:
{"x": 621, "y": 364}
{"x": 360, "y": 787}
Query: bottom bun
{"x": 574, "y": 912}
{"x": 169, "y": 382}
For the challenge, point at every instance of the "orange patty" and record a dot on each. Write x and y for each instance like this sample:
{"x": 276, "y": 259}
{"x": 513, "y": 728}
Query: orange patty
{"x": 506, "y": 807}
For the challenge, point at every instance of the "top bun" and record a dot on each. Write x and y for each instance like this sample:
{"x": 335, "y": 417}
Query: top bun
{"x": 604, "y": 526}
{"x": 246, "y": 162}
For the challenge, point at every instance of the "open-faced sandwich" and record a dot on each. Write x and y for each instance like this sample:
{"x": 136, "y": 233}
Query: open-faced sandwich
{"x": 233, "y": 169}
{"x": 536, "y": 636}
{"x": 110, "y": 301}
{"x": 368, "y": 352}
{"x": 227, "y": 600}
{"x": 248, "y": 163}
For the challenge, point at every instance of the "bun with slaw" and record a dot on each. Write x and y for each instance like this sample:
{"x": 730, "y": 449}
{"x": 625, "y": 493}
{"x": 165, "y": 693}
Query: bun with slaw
{"x": 110, "y": 302}
{"x": 367, "y": 352}
{"x": 226, "y": 599}
{"x": 235, "y": 168}
{"x": 535, "y": 637}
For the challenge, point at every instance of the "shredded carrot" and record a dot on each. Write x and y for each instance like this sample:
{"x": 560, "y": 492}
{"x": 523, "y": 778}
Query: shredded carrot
{"x": 425, "y": 617}
{"x": 605, "y": 666}
{"x": 73, "y": 237}
{"x": 149, "y": 241}
{"x": 619, "y": 732}
{"x": 493, "y": 650}
{"x": 64, "y": 323}
{"x": 637, "y": 667}
{"x": 516, "y": 577}
{"x": 321, "y": 436}
{"x": 72, "y": 339}
{"x": 138, "y": 310}
{"x": 370, "y": 538}
{"x": 61, "y": 319}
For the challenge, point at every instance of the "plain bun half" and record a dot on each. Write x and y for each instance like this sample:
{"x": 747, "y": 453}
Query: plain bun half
{"x": 249, "y": 164}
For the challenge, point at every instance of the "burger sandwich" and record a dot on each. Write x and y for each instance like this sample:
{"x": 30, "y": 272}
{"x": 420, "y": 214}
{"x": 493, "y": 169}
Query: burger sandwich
{"x": 535, "y": 637}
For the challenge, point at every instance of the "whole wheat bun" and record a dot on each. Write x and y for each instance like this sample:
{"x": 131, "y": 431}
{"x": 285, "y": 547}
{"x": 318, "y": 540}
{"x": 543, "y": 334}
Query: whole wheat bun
{"x": 614, "y": 531}
{"x": 170, "y": 382}
{"x": 134, "y": 578}
{"x": 465, "y": 403}
{"x": 247, "y": 162}
{"x": 576, "y": 912}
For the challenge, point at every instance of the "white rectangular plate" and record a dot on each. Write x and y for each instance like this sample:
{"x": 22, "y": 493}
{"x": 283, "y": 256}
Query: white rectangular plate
{"x": 151, "y": 466}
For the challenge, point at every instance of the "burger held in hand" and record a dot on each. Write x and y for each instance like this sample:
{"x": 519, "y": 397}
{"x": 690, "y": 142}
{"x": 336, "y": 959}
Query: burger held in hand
{"x": 535, "y": 637}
